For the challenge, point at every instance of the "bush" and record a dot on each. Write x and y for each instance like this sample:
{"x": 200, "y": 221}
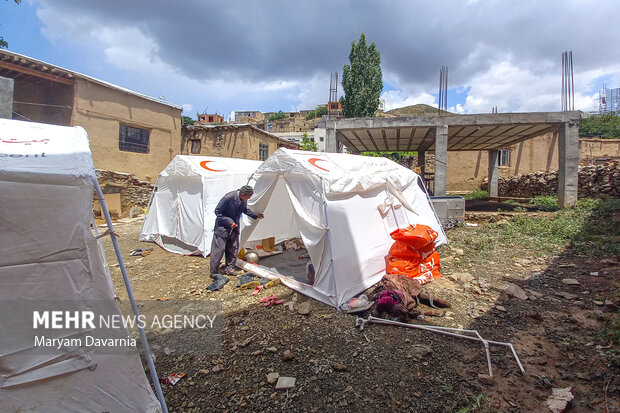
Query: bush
{"x": 603, "y": 126}
{"x": 317, "y": 113}
{"x": 545, "y": 202}
{"x": 477, "y": 194}
{"x": 277, "y": 115}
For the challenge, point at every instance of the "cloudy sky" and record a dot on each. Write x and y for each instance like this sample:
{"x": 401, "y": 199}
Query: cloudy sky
{"x": 222, "y": 56}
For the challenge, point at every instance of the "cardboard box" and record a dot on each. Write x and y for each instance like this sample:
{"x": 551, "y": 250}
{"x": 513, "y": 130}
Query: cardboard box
{"x": 269, "y": 244}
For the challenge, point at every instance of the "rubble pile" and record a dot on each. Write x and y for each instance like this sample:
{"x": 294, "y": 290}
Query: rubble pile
{"x": 595, "y": 181}
{"x": 134, "y": 192}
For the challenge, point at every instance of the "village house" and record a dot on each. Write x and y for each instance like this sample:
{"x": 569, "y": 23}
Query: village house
{"x": 210, "y": 118}
{"x": 129, "y": 132}
{"x": 233, "y": 141}
{"x": 468, "y": 169}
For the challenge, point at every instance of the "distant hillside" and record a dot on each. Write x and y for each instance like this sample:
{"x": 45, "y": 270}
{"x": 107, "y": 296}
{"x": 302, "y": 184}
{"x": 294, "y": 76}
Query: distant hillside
{"x": 416, "y": 110}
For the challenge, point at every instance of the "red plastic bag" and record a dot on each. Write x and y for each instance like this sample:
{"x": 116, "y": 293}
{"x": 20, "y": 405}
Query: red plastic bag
{"x": 418, "y": 237}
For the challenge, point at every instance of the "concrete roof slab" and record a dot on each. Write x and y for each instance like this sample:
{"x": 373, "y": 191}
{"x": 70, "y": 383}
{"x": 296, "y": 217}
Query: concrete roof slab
{"x": 465, "y": 132}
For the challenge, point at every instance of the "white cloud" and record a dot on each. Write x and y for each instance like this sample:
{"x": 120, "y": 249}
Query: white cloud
{"x": 508, "y": 60}
{"x": 188, "y": 108}
{"x": 314, "y": 91}
{"x": 398, "y": 99}
{"x": 518, "y": 89}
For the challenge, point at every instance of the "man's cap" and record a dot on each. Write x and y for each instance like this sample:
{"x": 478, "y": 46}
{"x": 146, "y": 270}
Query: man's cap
{"x": 246, "y": 190}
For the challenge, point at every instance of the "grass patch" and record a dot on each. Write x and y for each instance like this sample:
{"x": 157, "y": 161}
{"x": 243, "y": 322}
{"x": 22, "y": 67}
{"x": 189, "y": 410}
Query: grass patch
{"x": 545, "y": 202}
{"x": 479, "y": 403}
{"x": 477, "y": 194}
{"x": 587, "y": 230}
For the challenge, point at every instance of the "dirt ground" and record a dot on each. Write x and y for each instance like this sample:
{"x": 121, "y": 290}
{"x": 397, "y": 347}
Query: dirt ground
{"x": 555, "y": 329}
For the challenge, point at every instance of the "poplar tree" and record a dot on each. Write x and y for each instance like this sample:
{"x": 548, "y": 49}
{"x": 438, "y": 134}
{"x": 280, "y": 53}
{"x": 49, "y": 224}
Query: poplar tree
{"x": 362, "y": 80}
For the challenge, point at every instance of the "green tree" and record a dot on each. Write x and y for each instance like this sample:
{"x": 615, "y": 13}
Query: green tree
{"x": 362, "y": 80}
{"x": 186, "y": 120}
{"x": 317, "y": 113}
{"x": 3, "y": 43}
{"x": 403, "y": 158}
{"x": 308, "y": 144}
{"x": 277, "y": 115}
{"x": 601, "y": 126}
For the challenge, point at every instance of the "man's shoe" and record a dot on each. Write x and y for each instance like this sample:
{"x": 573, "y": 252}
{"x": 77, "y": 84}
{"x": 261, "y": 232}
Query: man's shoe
{"x": 220, "y": 281}
{"x": 267, "y": 283}
{"x": 246, "y": 281}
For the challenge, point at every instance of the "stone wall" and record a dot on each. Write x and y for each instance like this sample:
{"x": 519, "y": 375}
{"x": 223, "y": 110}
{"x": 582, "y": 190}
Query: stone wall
{"x": 134, "y": 192}
{"x": 595, "y": 181}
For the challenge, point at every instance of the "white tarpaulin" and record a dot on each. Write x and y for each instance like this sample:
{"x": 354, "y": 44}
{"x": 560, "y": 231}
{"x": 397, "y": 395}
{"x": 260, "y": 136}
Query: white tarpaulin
{"x": 181, "y": 215}
{"x": 343, "y": 207}
{"x": 48, "y": 254}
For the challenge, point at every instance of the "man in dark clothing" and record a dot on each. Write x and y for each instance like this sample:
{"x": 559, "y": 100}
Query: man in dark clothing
{"x": 226, "y": 231}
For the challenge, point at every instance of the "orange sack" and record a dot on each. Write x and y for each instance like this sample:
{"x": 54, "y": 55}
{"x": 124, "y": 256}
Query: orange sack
{"x": 418, "y": 236}
{"x": 424, "y": 270}
{"x": 401, "y": 250}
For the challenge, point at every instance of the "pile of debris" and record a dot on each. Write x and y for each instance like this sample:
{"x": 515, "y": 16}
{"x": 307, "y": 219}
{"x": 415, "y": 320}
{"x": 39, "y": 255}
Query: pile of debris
{"x": 594, "y": 181}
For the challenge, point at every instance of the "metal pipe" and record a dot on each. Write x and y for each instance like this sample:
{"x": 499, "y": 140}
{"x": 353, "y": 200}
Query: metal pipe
{"x": 132, "y": 299}
{"x": 442, "y": 330}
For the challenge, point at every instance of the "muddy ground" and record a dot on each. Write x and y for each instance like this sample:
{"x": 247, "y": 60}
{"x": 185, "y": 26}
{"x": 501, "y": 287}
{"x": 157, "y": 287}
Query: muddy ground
{"x": 556, "y": 329}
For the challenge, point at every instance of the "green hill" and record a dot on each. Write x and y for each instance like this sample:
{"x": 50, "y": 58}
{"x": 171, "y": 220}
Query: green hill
{"x": 416, "y": 110}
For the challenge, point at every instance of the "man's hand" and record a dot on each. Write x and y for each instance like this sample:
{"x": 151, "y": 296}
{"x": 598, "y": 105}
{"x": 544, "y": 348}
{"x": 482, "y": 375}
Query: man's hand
{"x": 260, "y": 216}
{"x": 233, "y": 225}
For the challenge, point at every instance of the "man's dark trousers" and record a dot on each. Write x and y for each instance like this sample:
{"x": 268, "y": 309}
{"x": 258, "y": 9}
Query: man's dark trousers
{"x": 224, "y": 245}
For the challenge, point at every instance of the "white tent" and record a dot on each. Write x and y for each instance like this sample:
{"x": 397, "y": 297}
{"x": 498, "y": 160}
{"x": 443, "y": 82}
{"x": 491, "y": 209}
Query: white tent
{"x": 48, "y": 254}
{"x": 343, "y": 207}
{"x": 181, "y": 213}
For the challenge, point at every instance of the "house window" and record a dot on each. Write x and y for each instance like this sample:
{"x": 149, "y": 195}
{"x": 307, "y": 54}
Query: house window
{"x": 321, "y": 139}
{"x": 196, "y": 144}
{"x": 210, "y": 118}
{"x": 263, "y": 151}
{"x": 281, "y": 126}
{"x": 133, "y": 139}
{"x": 269, "y": 126}
{"x": 504, "y": 157}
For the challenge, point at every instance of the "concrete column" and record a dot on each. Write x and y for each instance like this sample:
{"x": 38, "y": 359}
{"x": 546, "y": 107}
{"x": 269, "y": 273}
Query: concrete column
{"x": 6, "y": 97}
{"x": 568, "y": 155}
{"x": 441, "y": 160}
{"x": 422, "y": 161}
{"x": 331, "y": 143}
{"x": 493, "y": 173}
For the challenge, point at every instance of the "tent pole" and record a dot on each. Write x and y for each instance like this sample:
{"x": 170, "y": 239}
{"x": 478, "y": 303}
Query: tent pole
{"x": 134, "y": 307}
{"x": 148, "y": 206}
{"x": 430, "y": 201}
{"x": 105, "y": 260}
{"x": 329, "y": 239}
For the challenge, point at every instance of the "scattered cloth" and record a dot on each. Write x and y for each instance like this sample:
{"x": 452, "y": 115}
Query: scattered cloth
{"x": 412, "y": 296}
{"x": 392, "y": 304}
{"x": 310, "y": 273}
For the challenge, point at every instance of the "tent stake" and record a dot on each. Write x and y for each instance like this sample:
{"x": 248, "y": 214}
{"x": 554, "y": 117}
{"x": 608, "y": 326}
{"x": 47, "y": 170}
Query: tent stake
{"x": 132, "y": 299}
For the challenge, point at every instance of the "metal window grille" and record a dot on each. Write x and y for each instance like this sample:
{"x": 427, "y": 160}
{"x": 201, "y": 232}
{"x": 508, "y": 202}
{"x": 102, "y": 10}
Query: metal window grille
{"x": 132, "y": 139}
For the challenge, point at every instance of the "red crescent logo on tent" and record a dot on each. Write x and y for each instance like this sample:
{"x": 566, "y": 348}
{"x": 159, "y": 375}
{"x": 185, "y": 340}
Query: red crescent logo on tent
{"x": 313, "y": 162}
{"x": 204, "y": 165}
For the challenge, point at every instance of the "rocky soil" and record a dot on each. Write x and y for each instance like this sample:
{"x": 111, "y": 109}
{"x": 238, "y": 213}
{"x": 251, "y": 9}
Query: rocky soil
{"x": 511, "y": 294}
